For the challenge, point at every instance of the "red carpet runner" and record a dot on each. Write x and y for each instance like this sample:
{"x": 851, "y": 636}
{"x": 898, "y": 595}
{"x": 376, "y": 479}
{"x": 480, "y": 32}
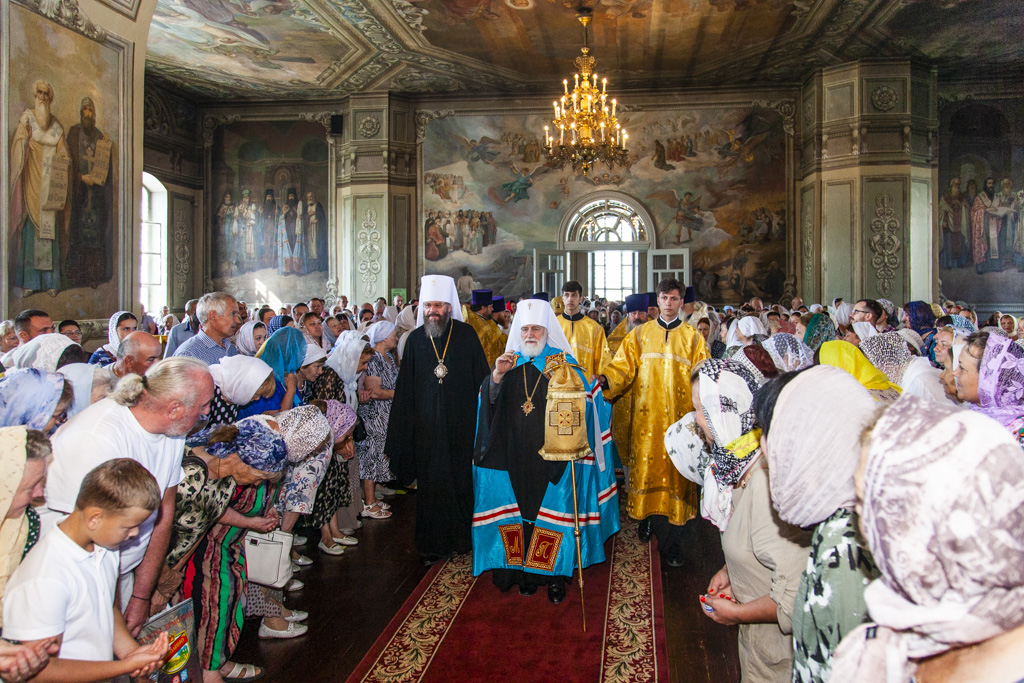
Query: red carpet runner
{"x": 455, "y": 627}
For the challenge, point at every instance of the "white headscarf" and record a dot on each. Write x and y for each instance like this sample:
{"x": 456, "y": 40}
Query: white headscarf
{"x": 912, "y": 337}
{"x": 344, "y": 360}
{"x": 843, "y": 313}
{"x": 731, "y": 340}
{"x": 439, "y": 288}
{"x": 113, "y": 343}
{"x": 391, "y": 313}
{"x": 239, "y": 378}
{"x": 41, "y": 353}
{"x": 244, "y": 340}
{"x": 536, "y": 312}
{"x": 814, "y": 444}
{"x": 751, "y": 325}
{"x": 379, "y": 331}
{"x": 314, "y": 353}
{"x": 81, "y": 377}
{"x": 690, "y": 455}
{"x": 406, "y": 320}
{"x": 865, "y": 330}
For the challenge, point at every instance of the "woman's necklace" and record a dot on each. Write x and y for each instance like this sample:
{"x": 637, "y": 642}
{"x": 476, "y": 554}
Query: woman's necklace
{"x": 528, "y": 404}
{"x": 441, "y": 371}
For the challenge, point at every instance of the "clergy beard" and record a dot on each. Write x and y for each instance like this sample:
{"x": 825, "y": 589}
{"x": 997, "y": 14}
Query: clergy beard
{"x": 532, "y": 348}
{"x": 435, "y": 324}
{"x": 630, "y": 324}
{"x": 88, "y": 123}
{"x": 42, "y": 113}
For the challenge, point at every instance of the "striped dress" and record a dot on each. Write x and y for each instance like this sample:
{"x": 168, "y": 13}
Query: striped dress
{"x": 215, "y": 578}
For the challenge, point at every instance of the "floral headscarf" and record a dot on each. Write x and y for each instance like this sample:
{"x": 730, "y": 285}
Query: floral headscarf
{"x": 889, "y": 353}
{"x": 963, "y": 324}
{"x": 846, "y": 356}
{"x": 942, "y": 506}
{"x": 1001, "y": 381}
{"x": 257, "y": 445}
{"x": 819, "y": 330}
{"x": 788, "y": 353}
{"x": 41, "y": 353}
{"x": 727, "y": 399}
{"x": 28, "y": 397}
{"x": 113, "y": 343}
{"x": 304, "y": 428}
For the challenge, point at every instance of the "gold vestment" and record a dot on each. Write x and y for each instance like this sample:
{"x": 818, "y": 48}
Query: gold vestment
{"x": 491, "y": 337}
{"x": 589, "y": 346}
{"x": 654, "y": 364}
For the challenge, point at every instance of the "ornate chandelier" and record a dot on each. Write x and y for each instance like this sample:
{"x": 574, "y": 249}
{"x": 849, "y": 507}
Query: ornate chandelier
{"x": 585, "y": 127}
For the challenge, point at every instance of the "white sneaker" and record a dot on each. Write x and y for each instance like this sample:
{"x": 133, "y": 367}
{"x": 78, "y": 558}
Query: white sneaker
{"x": 294, "y": 630}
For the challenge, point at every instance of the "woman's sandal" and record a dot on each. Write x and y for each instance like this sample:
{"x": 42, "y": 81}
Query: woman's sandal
{"x": 375, "y": 511}
{"x": 241, "y": 673}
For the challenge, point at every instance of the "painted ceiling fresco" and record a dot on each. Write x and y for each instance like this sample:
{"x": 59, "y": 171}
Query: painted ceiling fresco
{"x": 260, "y": 49}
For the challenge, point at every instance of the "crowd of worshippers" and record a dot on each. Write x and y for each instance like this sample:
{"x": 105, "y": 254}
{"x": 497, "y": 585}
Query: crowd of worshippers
{"x": 860, "y": 460}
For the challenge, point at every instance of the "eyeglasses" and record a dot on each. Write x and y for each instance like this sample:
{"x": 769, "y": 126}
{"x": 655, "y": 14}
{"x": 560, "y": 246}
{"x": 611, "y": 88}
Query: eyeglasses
{"x": 862, "y": 312}
{"x": 73, "y": 334}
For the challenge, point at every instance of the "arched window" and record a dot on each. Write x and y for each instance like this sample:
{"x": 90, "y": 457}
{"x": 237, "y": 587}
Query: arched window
{"x": 615, "y": 231}
{"x": 153, "y": 245}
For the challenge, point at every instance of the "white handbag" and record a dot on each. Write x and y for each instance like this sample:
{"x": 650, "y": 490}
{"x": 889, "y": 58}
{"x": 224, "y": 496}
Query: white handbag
{"x": 268, "y": 557}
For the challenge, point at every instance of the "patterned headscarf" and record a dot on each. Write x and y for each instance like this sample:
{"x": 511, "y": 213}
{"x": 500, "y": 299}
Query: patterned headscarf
{"x": 284, "y": 351}
{"x": 344, "y": 360}
{"x": 788, "y": 353}
{"x": 890, "y": 310}
{"x": 1001, "y": 381}
{"x": 691, "y": 456}
{"x": 113, "y": 343}
{"x": 244, "y": 340}
{"x": 28, "y": 397}
{"x": 963, "y": 324}
{"x": 342, "y": 419}
{"x": 814, "y": 444}
{"x": 757, "y": 361}
{"x": 846, "y": 356}
{"x": 889, "y": 353}
{"x": 304, "y": 428}
{"x": 727, "y": 399}
{"x": 819, "y": 330}
{"x": 257, "y": 445}
{"x": 275, "y": 324}
{"x": 41, "y": 353}
{"x": 942, "y": 508}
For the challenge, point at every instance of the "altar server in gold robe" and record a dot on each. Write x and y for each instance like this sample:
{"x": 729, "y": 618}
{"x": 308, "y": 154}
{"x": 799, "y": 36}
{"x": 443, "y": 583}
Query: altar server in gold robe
{"x": 655, "y": 361}
{"x": 585, "y": 335}
{"x": 479, "y": 318}
{"x": 622, "y": 408}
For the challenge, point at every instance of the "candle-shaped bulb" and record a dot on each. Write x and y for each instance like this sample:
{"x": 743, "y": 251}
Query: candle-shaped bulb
{"x": 604, "y": 85}
{"x": 565, "y": 82}
{"x": 577, "y": 77}
{"x": 613, "y": 106}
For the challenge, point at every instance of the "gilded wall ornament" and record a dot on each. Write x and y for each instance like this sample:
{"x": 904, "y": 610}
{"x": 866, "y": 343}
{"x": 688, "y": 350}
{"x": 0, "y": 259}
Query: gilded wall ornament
{"x": 884, "y": 243}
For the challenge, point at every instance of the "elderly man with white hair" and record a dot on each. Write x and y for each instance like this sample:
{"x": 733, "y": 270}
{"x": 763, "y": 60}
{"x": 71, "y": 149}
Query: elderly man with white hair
{"x": 430, "y": 435}
{"x": 146, "y": 418}
{"x": 537, "y": 412}
{"x": 220, "y": 319}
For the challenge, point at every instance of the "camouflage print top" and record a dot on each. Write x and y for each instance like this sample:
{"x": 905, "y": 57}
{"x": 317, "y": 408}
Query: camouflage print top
{"x": 830, "y": 601}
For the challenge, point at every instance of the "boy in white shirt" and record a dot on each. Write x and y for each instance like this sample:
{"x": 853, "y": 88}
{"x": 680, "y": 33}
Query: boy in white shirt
{"x": 65, "y": 586}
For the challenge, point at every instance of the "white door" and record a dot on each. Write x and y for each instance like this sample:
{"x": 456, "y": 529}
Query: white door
{"x": 666, "y": 263}
{"x": 549, "y": 268}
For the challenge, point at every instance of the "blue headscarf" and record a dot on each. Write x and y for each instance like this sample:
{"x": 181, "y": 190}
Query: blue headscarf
{"x": 275, "y": 324}
{"x": 28, "y": 397}
{"x": 963, "y": 324}
{"x": 920, "y": 317}
{"x": 257, "y": 445}
{"x": 284, "y": 351}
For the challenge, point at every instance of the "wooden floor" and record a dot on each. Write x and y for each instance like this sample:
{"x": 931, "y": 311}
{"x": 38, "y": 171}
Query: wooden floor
{"x": 351, "y": 598}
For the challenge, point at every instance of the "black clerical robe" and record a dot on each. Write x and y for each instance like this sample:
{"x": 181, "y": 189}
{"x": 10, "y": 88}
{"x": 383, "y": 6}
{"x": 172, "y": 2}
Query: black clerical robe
{"x": 430, "y": 435}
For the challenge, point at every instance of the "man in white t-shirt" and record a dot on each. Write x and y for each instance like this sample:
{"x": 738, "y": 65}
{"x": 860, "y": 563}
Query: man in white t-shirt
{"x": 145, "y": 419}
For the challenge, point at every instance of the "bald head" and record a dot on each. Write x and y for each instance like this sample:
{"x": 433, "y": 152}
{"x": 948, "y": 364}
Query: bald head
{"x": 137, "y": 353}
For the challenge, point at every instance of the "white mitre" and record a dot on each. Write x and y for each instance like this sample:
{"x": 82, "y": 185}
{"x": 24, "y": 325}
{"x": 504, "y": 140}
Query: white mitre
{"x": 536, "y": 312}
{"x": 438, "y": 288}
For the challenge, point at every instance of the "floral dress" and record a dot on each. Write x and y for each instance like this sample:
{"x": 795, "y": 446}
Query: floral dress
{"x": 830, "y": 601}
{"x": 373, "y": 463}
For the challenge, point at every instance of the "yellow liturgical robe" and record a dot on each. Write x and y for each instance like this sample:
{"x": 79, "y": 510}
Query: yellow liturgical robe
{"x": 589, "y": 346}
{"x": 491, "y": 337}
{"x": 655, "y": 364}
{"x": 617, "y": 335}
